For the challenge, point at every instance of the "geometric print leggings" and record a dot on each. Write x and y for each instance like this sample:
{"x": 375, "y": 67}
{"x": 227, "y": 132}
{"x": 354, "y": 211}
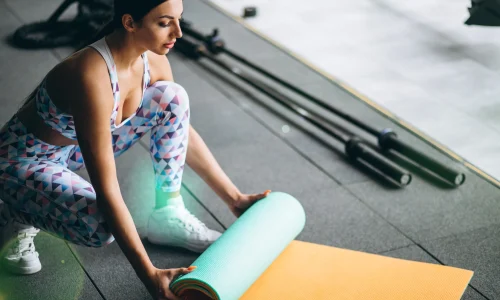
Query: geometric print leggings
{"x": 38, "y": 185}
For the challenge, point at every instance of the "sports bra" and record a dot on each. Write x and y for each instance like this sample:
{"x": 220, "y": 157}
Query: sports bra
{"x": 63, "y": 122}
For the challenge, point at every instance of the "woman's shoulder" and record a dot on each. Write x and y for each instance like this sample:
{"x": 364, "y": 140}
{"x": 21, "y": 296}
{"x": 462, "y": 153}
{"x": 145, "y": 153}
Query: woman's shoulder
{"x": 81, "y": 73}
{"x": 159, "y": 67}
{"x": 85, "y": 63}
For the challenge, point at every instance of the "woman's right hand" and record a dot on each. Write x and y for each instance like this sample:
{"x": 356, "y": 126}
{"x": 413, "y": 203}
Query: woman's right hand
{"x": 158, "y": 282}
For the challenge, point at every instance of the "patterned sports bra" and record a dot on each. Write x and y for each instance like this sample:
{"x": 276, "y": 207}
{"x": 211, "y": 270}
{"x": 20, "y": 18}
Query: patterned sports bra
{"x": 63, "y": 122}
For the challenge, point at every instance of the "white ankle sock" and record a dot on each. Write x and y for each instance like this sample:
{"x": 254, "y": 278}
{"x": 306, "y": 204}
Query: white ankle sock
{"x": 164, "y": 199}
{"x": 176, "y": 201}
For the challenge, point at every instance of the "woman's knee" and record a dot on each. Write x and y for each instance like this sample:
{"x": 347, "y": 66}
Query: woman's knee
{"x": 170, "y": 97}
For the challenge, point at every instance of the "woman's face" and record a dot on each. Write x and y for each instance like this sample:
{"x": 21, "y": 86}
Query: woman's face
{"x": 160, "y": 27}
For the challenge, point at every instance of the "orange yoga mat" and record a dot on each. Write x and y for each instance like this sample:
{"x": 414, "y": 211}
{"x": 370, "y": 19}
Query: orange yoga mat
{"x": 258, "y": 258}
{"x": 310, "y": 271}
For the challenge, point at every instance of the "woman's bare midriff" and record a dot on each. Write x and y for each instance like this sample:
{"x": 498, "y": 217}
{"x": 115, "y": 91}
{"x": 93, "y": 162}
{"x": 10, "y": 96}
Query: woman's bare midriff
{"x": 35, "y": 125}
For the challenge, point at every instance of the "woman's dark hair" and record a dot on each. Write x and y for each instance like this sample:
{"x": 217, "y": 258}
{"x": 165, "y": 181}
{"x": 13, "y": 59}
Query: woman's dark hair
{"x": 136, "y": 8}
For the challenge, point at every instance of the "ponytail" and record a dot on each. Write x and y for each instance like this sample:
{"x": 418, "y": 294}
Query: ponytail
{"x": 105, "y": 30}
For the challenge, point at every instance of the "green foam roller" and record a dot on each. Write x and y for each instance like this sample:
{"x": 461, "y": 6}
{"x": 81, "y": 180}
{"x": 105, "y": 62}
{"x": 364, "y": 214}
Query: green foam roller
{"x": 246, "y": 249}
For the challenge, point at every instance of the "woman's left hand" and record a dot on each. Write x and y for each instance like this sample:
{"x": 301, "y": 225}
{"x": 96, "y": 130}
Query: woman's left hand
{"x": 239, "y": 205}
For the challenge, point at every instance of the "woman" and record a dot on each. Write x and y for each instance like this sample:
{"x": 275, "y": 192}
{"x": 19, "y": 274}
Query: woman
{"x": 77, "y": 116}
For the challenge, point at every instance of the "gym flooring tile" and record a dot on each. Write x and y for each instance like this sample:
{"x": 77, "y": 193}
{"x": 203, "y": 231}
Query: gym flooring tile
{"x": 425, "y": 212}
{"x": 22, "y": 70}
{"x": 180, "y": 70}
{"x": 61, "y": 278}
{"x": 473, "y": 250}
{"x": 336, "y": 218}
{"x": 471, "y": 294}
{"x": 31, "y": 10}
{"x": 415, "y": 253}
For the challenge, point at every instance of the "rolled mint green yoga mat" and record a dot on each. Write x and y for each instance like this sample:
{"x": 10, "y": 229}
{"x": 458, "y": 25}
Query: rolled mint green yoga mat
{"x": 245, "y": 250}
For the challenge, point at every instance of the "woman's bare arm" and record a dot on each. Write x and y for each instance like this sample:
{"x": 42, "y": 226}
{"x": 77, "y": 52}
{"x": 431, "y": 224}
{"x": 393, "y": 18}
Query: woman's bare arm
{"x": 92, "y": 104}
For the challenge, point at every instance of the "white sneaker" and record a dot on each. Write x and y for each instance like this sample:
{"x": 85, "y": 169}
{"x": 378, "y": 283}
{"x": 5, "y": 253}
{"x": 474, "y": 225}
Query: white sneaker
{"x": 21, "y": 257}
{"x": 174, "y": 225}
